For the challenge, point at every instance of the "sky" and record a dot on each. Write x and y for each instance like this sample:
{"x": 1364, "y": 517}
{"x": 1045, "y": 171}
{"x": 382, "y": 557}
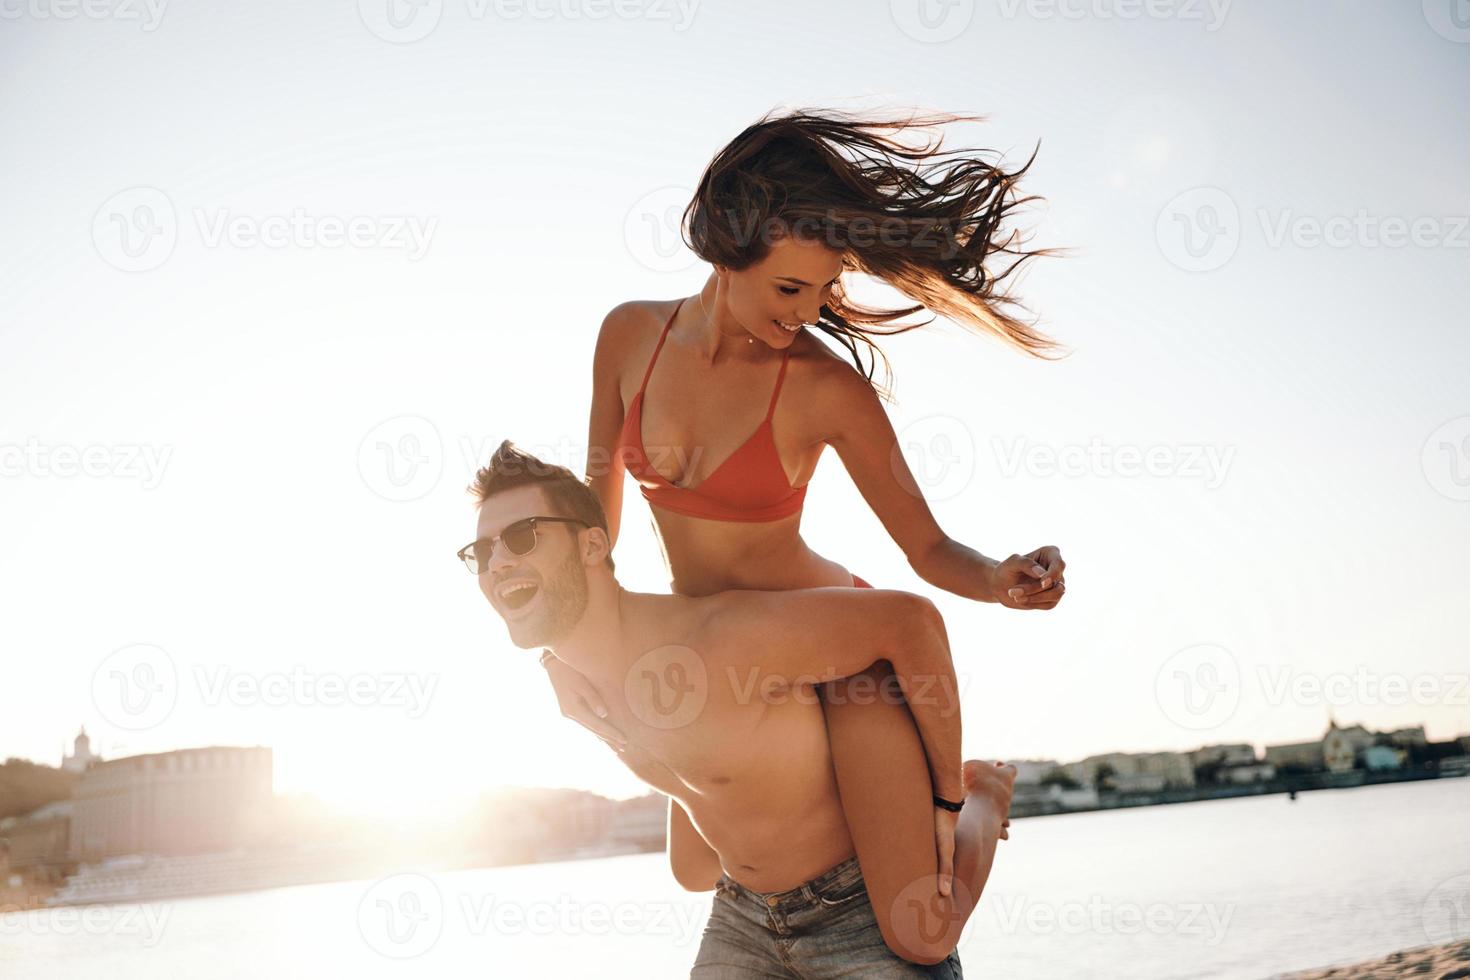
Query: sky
{"x": 280, "y": 276}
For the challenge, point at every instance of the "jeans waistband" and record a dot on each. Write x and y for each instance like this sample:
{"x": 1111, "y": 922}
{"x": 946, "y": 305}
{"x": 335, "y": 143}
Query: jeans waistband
{"x": 829, "y": 882}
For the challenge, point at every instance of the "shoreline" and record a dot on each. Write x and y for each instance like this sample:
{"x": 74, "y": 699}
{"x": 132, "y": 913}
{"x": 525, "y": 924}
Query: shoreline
{"x": 1442, "y": 961}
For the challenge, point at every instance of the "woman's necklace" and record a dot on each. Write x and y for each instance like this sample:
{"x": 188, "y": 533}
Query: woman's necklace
{"x": 748, "y": 340}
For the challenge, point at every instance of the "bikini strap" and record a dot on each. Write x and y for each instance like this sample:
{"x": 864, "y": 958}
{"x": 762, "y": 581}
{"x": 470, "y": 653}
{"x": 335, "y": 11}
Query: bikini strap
{"x": 659, "y": 346}
{"x": 780, "y": 376}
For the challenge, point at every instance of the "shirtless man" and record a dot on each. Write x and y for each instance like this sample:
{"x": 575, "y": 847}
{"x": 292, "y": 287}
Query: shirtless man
{"x": 717, "y": 698}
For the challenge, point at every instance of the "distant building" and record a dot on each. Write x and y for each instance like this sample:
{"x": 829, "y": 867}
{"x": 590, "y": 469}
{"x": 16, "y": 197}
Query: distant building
{"x": 39, "y": 839}
{"x": 1341, "y": 746}
{"x": 1296, "y": 755}
{"x": 81, "y": 756}
{"x": 640, "y": 823}
{"x": 1233, "y": 754}
{"x": 1029, "y": 772}
{"x": 1256, "y": 772}
{"x": 190, "y": 801}
{"x": 1407, "y": 736}
{"x": 1379, "y": 757}
{"x": 1142, "y": 770}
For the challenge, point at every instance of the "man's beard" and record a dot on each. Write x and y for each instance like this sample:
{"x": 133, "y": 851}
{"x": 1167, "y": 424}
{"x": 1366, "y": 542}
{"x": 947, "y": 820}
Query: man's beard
{"x": 562, "y": 601}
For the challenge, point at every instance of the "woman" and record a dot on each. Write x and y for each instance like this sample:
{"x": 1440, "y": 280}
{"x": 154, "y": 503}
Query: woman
{"x": 720, "y": 405}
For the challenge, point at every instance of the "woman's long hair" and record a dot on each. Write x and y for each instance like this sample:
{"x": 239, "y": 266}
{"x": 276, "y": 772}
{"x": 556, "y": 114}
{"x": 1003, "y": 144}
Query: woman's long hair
{"x": 925, "y": 220}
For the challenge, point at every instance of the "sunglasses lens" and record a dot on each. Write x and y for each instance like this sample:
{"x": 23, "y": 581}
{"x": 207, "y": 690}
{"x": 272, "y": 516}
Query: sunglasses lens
{"x": 471, "y": 562}
{"x": 520, "y": 538}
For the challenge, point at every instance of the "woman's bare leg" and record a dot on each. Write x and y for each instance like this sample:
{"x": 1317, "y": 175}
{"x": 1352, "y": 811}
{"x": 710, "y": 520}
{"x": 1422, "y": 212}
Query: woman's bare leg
{"x": 883, "y": 779}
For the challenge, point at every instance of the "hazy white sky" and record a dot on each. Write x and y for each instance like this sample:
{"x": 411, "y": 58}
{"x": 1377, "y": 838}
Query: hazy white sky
{"x": 279, "y": 275}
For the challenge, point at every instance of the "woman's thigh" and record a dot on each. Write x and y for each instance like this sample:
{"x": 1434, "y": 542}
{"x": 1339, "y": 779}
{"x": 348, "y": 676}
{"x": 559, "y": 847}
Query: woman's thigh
{"x": 883, "y": 779}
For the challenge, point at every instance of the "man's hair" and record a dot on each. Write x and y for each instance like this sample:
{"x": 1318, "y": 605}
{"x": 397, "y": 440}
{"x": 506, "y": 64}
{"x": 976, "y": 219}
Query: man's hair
{"x": 510, "y": 467}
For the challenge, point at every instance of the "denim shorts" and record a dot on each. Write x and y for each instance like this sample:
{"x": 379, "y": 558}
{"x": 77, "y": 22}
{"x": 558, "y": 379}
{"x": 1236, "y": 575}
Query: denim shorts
{"x": 824, "y": 928}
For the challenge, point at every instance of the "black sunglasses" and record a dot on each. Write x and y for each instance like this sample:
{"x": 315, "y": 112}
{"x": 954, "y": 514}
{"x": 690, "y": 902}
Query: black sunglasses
{"x": 519, "y": 538}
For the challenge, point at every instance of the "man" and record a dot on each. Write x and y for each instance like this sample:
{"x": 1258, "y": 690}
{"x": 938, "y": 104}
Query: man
{"x": 717, "y": 699}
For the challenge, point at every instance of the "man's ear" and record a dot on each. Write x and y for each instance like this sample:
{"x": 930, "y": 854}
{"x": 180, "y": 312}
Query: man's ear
{"x": 596, "y": 546}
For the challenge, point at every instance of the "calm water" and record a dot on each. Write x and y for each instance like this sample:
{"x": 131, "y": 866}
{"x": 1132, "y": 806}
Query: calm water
{"x": 1228, "y": 888}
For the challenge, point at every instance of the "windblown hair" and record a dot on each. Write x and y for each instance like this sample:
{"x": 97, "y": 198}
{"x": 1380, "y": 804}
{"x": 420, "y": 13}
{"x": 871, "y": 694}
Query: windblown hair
{"x": 510, "y": 467}
{"x": 925, "y": 220}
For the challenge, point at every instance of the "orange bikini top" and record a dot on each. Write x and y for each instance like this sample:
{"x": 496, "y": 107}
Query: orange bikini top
{"x": 750, "y": 485}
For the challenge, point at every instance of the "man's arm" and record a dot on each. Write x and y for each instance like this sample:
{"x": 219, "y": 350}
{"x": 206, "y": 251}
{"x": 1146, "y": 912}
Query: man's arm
{"x": 811, "y": 636}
